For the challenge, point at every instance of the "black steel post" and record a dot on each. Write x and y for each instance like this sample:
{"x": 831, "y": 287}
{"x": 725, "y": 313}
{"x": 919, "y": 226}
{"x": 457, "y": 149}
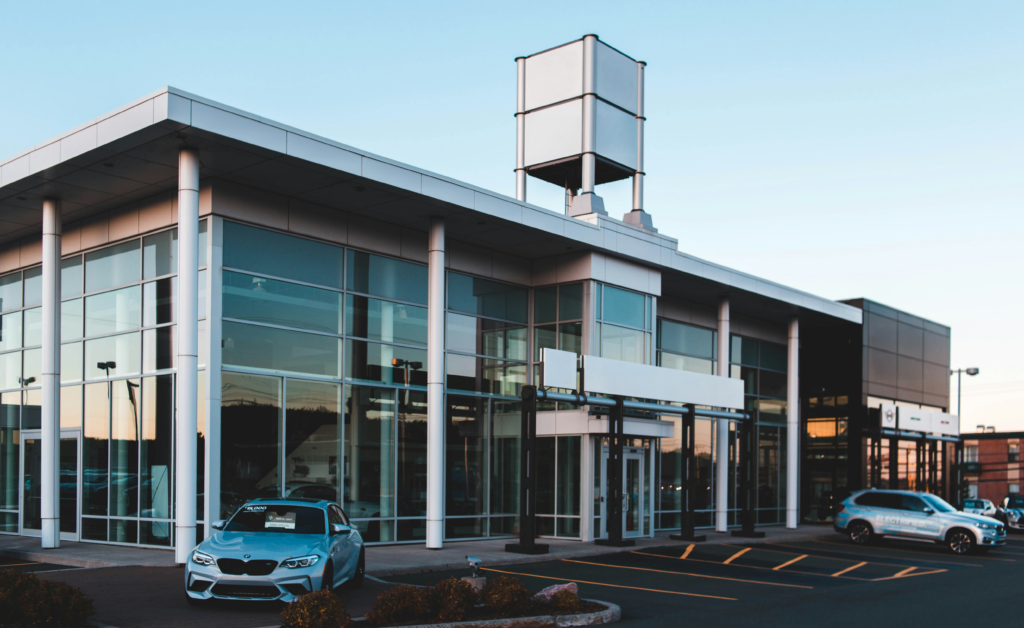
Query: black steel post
{"x": 748, "y": 447}
{"x": 958, "y": 475}
{"x": 688, "y": 515}
{"x": 894, "y": 463}
{"x": 616, "y": 437}
{"x": 528, "y": 478}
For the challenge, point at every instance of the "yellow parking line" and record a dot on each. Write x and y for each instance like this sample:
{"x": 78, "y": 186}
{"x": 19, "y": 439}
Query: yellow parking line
{"x": 715, "y": 562}
{"x": 849, "y": 569}
{"x": 912, "y": 575}
{"x": 617, "y": 586}
{"x": 904, "y": 572}
{"x": 736, "y": 555}
{"x": 789, "y": 562}
{"x": 689, "y": 548}
{"x": 912, "y": 551}
{"x": 929, "y": 560}
{"x": 695, "y": 575}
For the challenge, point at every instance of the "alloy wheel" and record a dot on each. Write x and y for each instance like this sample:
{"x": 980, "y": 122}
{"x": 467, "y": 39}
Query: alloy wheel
{"x": 860, "y": 533}
{"x": 960, "y": 542}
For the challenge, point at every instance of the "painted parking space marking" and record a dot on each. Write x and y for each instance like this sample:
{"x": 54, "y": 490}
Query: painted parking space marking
{"x": 616, "y": 586}
{"x": 904, "y": 572}
{"x": 789, "y": 562}
{"x": 689, "y": 548}
{"x": 859, "y": 553}
{"x": 695, "y": 575}
{"x": 924, "y": 552}
{"x": 736, "y": 555}
{"x": 851, "y": 568}
{"x": 740, "y": 565}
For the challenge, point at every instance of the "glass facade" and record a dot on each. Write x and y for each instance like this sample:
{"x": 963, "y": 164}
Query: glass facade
{"x": 624, "y": 322}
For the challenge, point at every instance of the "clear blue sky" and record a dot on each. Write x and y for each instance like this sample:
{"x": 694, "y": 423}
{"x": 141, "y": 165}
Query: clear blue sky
{"x": 843, "y": 148}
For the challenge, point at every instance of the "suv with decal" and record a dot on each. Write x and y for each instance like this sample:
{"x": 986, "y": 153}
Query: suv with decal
{"x": 1011, "y": 512}
{"x": 869, "y": 515}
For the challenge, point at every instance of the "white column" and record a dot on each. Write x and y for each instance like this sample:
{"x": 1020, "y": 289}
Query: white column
{"x": 50, "y": 480}
{"x": 435, "y": 385}
{"x": 188, "y": 352}
{"x": 521, "y": 129}
{"x": 793, "y": 425}
{"x": 722, "y": 456}
{"x": 587, "y": 532}
{"x": 638, "y": 176}
{"x": 589, "y": 113}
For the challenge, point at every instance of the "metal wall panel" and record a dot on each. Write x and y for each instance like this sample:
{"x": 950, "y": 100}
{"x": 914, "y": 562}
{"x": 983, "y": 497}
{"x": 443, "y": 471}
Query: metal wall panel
{"x": 911, "y": 341}
{"x": 616, "y": 77}
{"x": 882, "y": 332}
{"x": 616, "y": 135}
{"x": 554, "y": 133}
{"x": 554, "y": 76}
{"x": 911, "y": 373}
{"x": 882, "y": 367}
{"x": 936, "y": 348}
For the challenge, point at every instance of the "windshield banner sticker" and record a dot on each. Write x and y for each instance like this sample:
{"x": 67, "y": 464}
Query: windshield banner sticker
{"x": 285, "y": 521}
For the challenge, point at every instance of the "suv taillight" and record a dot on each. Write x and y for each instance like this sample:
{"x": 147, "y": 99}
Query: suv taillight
{"x": 840, "y": 508}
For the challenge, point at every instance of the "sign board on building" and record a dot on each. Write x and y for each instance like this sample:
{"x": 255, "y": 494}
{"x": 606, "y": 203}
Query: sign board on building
{"x": 888, "y": 416}
{"x": 915, "y": 420}
{"x": 926, "y": 421}
{"x": 615, "y": 377}
{"x": 558, "y": 369}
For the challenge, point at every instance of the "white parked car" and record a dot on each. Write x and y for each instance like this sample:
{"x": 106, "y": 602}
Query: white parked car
{"x": 980, "y": 507}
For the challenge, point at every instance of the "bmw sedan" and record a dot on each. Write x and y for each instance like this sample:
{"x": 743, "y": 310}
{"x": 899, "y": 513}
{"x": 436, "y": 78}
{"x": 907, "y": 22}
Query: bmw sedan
{"x": 873, "y": 514}
{"x": 276, "y": 549}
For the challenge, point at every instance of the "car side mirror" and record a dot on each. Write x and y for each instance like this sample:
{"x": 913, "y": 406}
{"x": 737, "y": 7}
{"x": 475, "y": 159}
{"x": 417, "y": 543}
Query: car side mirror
{"x": 219, "y": 524}
{"x": 928, "y": 511}
{"x": 340, "y": 528}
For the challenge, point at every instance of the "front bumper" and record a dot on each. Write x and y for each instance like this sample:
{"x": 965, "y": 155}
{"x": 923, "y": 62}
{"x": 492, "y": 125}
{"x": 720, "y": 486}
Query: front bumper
{"x": 283, "y": 584}
{"x": 991, "y": 538}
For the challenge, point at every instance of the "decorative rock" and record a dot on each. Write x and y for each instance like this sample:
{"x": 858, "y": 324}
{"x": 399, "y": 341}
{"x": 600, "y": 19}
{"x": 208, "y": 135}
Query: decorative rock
{"x": 545, "y": 595}
{"x": 478, "y": 584}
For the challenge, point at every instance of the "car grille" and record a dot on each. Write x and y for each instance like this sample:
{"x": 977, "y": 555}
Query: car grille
{"x": 246, "y": 590}
{"x": 235, "y": 567}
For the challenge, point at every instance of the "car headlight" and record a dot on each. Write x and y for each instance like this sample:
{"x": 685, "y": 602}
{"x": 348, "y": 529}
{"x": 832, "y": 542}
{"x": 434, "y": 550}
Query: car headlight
{"x": 987, "y": 526}
{"x": 301, "y": 561}
{"x": 200, "y": 558}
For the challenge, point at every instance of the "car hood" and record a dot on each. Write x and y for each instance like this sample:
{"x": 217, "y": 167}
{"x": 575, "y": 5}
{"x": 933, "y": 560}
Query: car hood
{"x": 967, "y": 517}
{"x": 260, "y": 544}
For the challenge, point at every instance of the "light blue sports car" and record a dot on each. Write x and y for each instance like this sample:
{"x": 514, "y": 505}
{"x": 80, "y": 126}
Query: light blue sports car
{"x": 277, "y": 549}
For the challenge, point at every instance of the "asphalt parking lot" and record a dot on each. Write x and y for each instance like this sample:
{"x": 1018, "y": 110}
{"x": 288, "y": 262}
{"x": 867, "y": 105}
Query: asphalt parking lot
{"x": 825, "y": 582}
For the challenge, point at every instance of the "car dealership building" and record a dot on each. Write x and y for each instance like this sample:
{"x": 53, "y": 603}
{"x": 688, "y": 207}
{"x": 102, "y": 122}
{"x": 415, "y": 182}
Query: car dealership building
{"x": 332, "y": 323}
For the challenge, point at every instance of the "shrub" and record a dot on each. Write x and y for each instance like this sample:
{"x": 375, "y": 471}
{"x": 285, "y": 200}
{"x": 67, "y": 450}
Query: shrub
{"x": 451, "y": 599}
{"x": 28, "y": 602}
{"x": 507, "y": 596}
{"x": 319, "y": 609}
{"x": 400, "y": 605}
{"x": 566, "y": 602}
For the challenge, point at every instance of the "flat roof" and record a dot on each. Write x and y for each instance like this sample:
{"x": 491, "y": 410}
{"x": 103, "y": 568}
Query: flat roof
{"x": 131, "y": 153}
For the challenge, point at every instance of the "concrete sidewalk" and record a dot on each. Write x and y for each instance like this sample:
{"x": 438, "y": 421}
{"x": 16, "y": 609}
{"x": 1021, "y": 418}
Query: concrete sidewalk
{"x": 389, "y": 560}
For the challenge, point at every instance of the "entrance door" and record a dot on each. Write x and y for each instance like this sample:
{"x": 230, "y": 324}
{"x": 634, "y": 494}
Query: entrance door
{"x": 31, "y": 488}
{"x": 633, "y": 497}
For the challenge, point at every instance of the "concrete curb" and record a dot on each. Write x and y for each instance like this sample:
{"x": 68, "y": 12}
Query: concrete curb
{"x": 611, "y": 614}
{"x": 42, "y": 556}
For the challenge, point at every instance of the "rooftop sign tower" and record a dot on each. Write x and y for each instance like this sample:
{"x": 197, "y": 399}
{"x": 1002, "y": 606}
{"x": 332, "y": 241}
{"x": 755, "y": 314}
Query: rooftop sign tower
{"x": 580, "y": 123}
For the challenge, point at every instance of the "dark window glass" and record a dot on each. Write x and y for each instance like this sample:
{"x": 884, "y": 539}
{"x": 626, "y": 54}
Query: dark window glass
{"x": 280, "y": 350}
{"x": 71, "y": 279}
{"x": 485, "y": 375}
{"x": 412, "y": 454}
{"x": 158, "y": 349}
{"x": 466, "y": 471}
{"x": 10, "y": 292}
{"x": 124, "y": 450}
{"x": 773, "y": 384}
{"x": 10, "y": 426}
{"x": 743, "y": 351}
{"x": 774, "y": 356}
{"x": 545, "y": 305}
{"x": 505, "y": 439}
{"x": 386, "y": 277}
{"x": 278, "y": 519}
{"x": 686, "y": 339}
{"x": 94, "y": 447}
{"x": 124, "y": 531}
{"x": 483, "y": 297}
{"x": 158, "y": 302}
{"x": 569, "y": 476}
{"x": 913, "y": 503}
{"x": 546, "y": 475}
{"x": 370, "y": 457}
{"x": 483, "y": 336}
{"x": 623, "y": 307}
{"x": 160, "y": 254}
{"x": 111, "y": 312}
{"x": 250, "y": 439}
{"x": 570, "y": 302}
{"x": 159, "y": 533}
{"x": 281, "y": 303}
{"x": 312, "y": 444}
{"x": 113, "y": 266}
{"x": 279, "y": 255}
{"x": 570, "y": 337}
{"x": 465, "y": 528}
{"x": 384, "y": 320}
{"x": 387, "y": 364}
{"x": 157, "y": 436}
{"x": 33, "y": 286}
{"x": 544, "y": 337}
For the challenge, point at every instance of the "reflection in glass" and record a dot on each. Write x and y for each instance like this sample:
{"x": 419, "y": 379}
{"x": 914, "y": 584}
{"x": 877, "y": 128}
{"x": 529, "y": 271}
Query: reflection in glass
{"x": 383, "y": 320}
{"x": 34, "y": 327}
{"x": 686, "y": 363}
{"x": 570, "y": 337}
{"x": 158, "y": 349}
{"x": 569, "y": 475}
{"x": 160, "y": 254}
{"x": 370, "y": 457}
{"x": 33, "y": 286}
{"x": 269, "y": 348}
{"x": 485, "y": 375}
{"x": 481, "y": 336}
{"x": 281, "y": 303}
{"x": 546, "y": 475}
{"x": 570, "y": 302}
{"x": 686, "y": 339}
{"x": 70, "y": 407}
{"x": 31, "y": 508}
{"x": 71, "y": 362}
{"x": 158, "y": 303}
{"x": 111, "y": 312}
{"x": 545, "y": 303}
{"x": 388, "y": 364}
{"x": 32, "y": 409}
{"x": 72, "y": 319}
{"x": 155, "y": 449}
{"x": 465, "y": 468}
{"x": 113, "y": 266}
{"x": 10, "y": 331}
{"x": 483, "y": 297}
{"x": 10, "y": 425}
{"x": 71, "y": 280}
{"x": 412, "y": 454}
{"x": 10, "y": 292}
{"x": 33, "y": 370}
{"x": 506, "y": 433}
{"x": 386, "y": 277}
{"x": 623, "y": 307}
{"x": 124, "y": 449}
{"x": 118, "y": 355}
{"x": 10, "y": 370}
{"x": 250, "y": 439}
{"x": 543, "y": 338}
{"x": 279, "y": 255}
{"x": 619, "y": 343}
{"x": 94, "y": 449}
{"x": 312, "y": 448}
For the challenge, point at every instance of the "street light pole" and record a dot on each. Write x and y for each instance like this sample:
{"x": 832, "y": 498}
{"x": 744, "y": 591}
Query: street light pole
{"x": 959, "y": 455}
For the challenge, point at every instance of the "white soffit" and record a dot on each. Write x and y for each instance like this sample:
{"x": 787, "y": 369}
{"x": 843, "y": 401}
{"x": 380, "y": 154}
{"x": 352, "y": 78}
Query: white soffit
{"x": 615, "y": 377}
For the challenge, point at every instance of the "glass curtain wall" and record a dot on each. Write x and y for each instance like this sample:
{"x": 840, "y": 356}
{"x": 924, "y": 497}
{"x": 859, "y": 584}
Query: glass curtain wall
{"x": 625, "y": 321}
{"x": 558, "y": 322}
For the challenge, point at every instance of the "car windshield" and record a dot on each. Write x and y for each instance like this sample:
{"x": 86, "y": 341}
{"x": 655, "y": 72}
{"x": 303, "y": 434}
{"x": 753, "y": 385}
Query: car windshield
{"x": 937, "y": 503}
{"x": 278, "y": 519}
{"x": 1016, "y": 501}
{"x": 973, "y": 503}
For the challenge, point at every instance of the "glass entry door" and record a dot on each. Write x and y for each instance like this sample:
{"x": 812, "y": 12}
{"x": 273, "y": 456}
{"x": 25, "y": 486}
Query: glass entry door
{"x": 31, "y": 488}
{"x": 633, "y": 493}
